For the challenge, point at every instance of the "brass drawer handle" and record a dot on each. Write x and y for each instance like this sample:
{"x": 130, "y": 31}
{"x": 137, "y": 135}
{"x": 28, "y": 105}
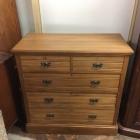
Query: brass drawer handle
{"x": 95, "y": 83}
{"x": 97, "y": 65}
{"x": 48, "y": 100}
{"x": 93, "y": 101}
{"x": 47, "y": 82}
{"x": 50, "y": 116}
{"x": 45, "y": 64}
{"x": 92, "y": 117}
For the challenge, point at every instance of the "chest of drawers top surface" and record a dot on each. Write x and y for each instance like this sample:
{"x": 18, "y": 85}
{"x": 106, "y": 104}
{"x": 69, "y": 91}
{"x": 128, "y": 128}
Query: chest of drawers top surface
{"x": 73, "y": 43}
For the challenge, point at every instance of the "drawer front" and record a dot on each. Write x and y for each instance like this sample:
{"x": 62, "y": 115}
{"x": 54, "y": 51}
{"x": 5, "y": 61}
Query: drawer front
{"x": 71, "y": 89}
{"x": 74, "y": 81}
{"x": 44, "y": 64}
{"x": 47, "y": 58}
{"x": 102, "y": 59}
{"x": 97, "y": 64}
{"x": 69, "y": 116}
{"x": 70, "y": 100}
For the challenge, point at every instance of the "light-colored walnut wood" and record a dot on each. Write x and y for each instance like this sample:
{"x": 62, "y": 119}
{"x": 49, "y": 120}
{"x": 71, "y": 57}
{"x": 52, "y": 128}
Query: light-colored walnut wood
{"x": 122, "y": 79}
{"x": 89, "y": 64}
{"x": 91, "y": 70}
{"x": 18, "y": 62}
{"x": 71, "y": 105}
{"x": 45, "y": 58}
{"x": 68, "y": 116}
{"x": 78, "y": 43}
{"x": 76, "y": 111}
{"x": 35, "y": 66}
{"x": 71, "y": 89}
{"x": 71, "y": 129}
{"x": 73, "y": 81}
{"x": 100, "y": 59}
{"x": 26, "y": 75}
{"x": 75, "y": 121}
{"x": 71, "y": 72}
{"x": 71, "y": 100}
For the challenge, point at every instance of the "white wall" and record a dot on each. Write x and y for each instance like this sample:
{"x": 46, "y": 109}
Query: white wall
{"x": 78, "y": 16}
{"x": 87, "y": 16}
{"x": 25, "y": 15}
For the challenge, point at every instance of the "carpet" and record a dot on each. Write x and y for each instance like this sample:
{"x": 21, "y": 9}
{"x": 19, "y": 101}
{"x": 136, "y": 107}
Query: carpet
{"x": 3, "y": 135}
{"x": 17, "y": 137}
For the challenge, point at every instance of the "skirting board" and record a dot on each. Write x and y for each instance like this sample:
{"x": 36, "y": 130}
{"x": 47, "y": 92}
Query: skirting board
{"x": 72, "y": 129}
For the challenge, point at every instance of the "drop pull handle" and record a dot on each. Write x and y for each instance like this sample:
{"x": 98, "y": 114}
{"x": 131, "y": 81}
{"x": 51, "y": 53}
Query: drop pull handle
{"x": 97, "y": 65}
{"x": 45, "y": 64}
{"x": 93, "y": 101}
{"x": 93, "y": 117}
{"x": 47, "y": 82}
{"x": 48, "y": 100}
{"x": 95, "y": 83}
{"x": 50, "y": 116}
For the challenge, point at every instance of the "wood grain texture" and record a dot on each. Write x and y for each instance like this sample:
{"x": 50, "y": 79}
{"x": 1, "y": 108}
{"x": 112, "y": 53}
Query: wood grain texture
{"x": 35, "y": 66}
{"x": 22, "y": 86}
{"x": 9, "y": 30}
{"x": 135, "y": 105}
{"x": 71, "y": 90}
{"x": 9, "y": 93}
{"x": 100, "y": 59}
{"x": 122, "y": 80}
{"x": 9, "y": 82}
{"x": 65, "y": 117}
{"x": 77, "y": 43}
{"x": 72, "y": 116}
{"x": 132, "y": 99}
{"x": 45, "y": 58}
{"x": 72, "y": 129}
{"x": 71, "y": 100}
{"x": 90, "y": 64}
{"x": 71, "y": 105}
{"x": 128, "y": 131}
{"x": 4, "y": 57}
{"x": 73, "y": 81}
{"x": 130, "y": 117}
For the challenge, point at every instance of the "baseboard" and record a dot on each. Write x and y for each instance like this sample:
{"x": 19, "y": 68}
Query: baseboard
{"x": 72, "y": 129}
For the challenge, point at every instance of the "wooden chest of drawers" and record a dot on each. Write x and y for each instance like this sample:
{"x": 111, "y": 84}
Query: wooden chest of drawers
{"x": 72, "y": 84}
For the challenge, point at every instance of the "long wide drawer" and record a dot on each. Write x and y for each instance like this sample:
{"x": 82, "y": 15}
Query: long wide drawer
{"x": 97, "y": 64}
{"x": 70, "y": 100}
{"x": 45, "y": 63}
{"x": 72, "y": 116}
{"x": 47, "y": 81}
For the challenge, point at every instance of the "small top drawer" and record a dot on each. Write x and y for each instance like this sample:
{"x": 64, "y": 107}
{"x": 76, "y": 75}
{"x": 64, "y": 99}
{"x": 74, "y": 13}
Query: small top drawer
{"x": 97, "y": 64}
{"x": 45, "y": 63}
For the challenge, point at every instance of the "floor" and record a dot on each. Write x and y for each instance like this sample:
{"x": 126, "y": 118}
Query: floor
{"x": 19, "y": 129}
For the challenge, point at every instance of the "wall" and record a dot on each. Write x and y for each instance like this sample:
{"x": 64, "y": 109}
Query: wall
{"x": 25, "y": 15}
{"x": 87, "y": 16}
{"x": 80, "y": 16}
{"x": 83, "y": 16}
